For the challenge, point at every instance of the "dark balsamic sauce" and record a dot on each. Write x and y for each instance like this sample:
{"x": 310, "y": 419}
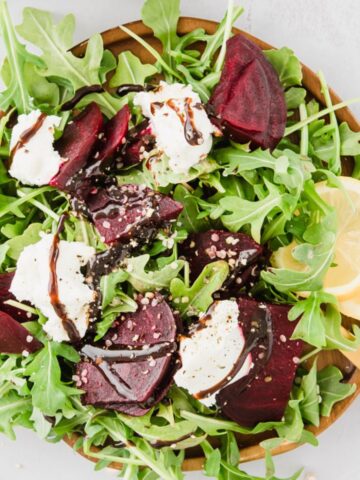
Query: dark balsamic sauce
{"x": 80, "y": 94}
{"x": 261, "y": 331}
{"x": 26, "y": 136}
{"x": 58, "y": 307}
{"x": 129, "y": 355}
{"x": 133, "y": 88}
{"x": 192, "y": 135}
{"x": 104, "y": 358}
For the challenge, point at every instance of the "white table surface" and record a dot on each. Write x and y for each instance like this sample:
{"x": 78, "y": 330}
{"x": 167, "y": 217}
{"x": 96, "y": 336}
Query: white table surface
{"x": 326, "y": 35}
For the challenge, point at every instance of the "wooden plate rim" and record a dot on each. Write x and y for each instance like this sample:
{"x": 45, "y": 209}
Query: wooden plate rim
{"x": 312, "y": 84}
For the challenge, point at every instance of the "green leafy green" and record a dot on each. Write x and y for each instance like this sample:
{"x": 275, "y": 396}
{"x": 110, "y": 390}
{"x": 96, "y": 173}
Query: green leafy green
{"x": 149, "y": 280}
{"x": 239, "y": 212}
{"x": 287, "y": 66}
{"x": 197, "y": 298}
{"x": 130, "y": 70}
{"x": 16, "y": 93}
{"x": 332, "y": 390}
{"x": 162, "y": 17}
{"x": 49, "y": 393}
{"x": 114, "y": 301}
{"x": 309, "y": 404}
{"x": 55, "y": 40}
{"x": 189, "y": 216}
{"x": 316, "y": 256}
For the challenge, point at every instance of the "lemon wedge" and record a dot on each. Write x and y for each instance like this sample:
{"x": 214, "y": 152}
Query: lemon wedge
{"x": 342, "y": 279}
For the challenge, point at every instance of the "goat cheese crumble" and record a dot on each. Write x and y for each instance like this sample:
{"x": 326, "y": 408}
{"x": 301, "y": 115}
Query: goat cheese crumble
{"x": 179, "y": 123}
{"x": 36, "y": 162}
{"x": 212, "y": 350}
{"x": 31, "y": 283}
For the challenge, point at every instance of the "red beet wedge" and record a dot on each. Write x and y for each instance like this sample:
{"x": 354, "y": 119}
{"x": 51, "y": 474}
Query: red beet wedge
{"x": 76, "y": 144}
{"x": 114, "y": 135}
{"x": 263, "y": 396}
{"x": 146, "y": 378}
{"x": 239, "y": 250}
{"x": 14, "y": 338}
{"x": 249, "y": 102}
{"x": 126, "y": 211}
{"x": 17, "y": 313}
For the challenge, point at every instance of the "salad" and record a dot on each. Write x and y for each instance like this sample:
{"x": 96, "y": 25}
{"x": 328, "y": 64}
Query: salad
{"x": 178, "y": 242}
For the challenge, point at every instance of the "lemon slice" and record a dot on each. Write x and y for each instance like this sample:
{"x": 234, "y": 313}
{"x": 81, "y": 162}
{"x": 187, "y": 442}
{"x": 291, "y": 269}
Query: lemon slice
{"x": 343, "y": 279}
{"x": 351, "y": 306}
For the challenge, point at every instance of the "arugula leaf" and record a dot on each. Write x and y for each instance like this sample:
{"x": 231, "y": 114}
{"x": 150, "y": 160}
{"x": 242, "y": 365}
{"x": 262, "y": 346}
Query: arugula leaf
{"x": 13, "y": 408}
{"x": 130, "y": 70}
{"x": 55, "y": 40}
{"x": 334, "y": 337}
{"x": 294, "y": 97}
{"x": 148, "y": 281}
{"x": 335, "y": 158}
{"x": 244, "y": 212}
{"x": 317, "y": 257}
{"x": 155, "y": 433}
{"x": 189, "y": 216}
{"x": 287, "y": 65}
{"x": 164, "y": 176}
{"x": 16, "y": 92}
{"x": 309, "y": 404}
{"x": 17, "y": 244}
{"x": 350, "y": 141}
{"x": 41, "y": 426}
{"x": 332, "y": 390}
{"x": 162, "y": 17}
{"x": 43, "y": 92}
{"x": 49, "y": 393}
{"x": 114, "y": 301}
{"x": 288, "y": 167}
{"x": 196, "y": 299}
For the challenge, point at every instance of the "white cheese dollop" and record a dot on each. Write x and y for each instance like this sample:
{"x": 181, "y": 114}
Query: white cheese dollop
{"x": 36, "y": 162}
{"x": 31, "y": 283}
{"x": 166, "y": 109}
{"x": 209, "y": 355}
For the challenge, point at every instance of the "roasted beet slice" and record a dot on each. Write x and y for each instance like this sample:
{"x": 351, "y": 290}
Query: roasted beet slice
{"x": 249, "y": 102}
{"x": 14, "y": 338}
{"x": 263, "y": 397}
{"x": 138, "y": 141}
{"x": 238, "y": 249}
{"x": 5, "y": 294}
{"x": 114, "y": 135}
{"x": 125, "y": 211}
{"x": 76, "y": 144}
{"x": 148, "y": 379}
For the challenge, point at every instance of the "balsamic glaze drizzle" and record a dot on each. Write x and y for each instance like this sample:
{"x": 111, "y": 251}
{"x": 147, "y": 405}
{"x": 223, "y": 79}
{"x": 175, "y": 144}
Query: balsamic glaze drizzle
{"x": 26, "y": 136}
{"x": 79, "y": 94}
{"x": 103, "y": 359}
{"x": 53, "y": 289}
{"x": 131, "y": 87}
{"x": 127, "y": 355}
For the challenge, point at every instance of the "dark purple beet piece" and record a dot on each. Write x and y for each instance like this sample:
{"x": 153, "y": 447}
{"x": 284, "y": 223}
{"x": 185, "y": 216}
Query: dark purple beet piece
{"x": 265, "y": 396}
{"x": 148, "y": 379}
{"x": 14, "y": 338}
{"x": 141, "y": 140}
{"x": 76, "y": 144}
{"x": 122, "y": 212}
{"x": 114, "y": 134}
{"x": 249, "y": 102}
{"x": 238, "y": 249}
{"x": 17, "y": 313}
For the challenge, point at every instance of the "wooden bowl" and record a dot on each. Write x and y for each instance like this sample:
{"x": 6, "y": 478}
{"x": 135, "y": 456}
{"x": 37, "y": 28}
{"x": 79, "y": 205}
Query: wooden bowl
{"x": 117, "y": 41}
